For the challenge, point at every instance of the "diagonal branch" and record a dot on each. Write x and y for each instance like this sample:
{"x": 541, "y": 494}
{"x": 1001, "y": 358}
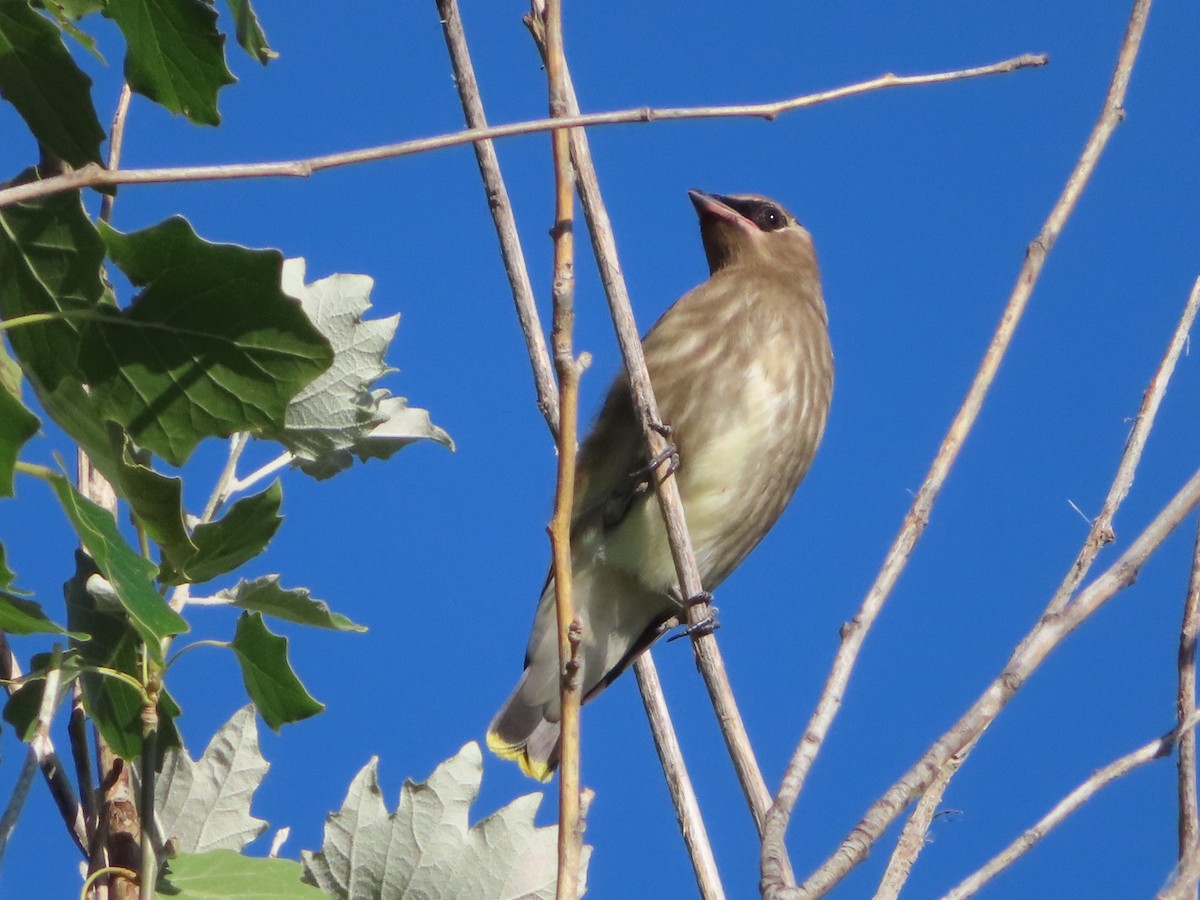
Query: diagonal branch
{"x": 502, "y": 214}
{"x": 1099, "y": 780}
{"x": 854, "y": 633}
{"x": 95, "y": 176}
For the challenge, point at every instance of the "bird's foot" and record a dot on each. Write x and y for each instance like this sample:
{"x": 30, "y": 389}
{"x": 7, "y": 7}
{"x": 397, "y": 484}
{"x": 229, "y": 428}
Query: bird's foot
{"x": 669, "y": 455}
{"x": 707, "y": 625}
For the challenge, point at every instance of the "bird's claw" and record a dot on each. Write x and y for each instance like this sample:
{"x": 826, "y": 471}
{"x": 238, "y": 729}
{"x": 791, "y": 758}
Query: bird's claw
{"x": 707, "y": 625}
{"x": 669, "y": 455}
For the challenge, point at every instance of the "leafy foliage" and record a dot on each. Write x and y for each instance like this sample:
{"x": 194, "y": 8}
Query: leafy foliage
{"x": 427, "y": 848}
{"x": 211, "y": 346}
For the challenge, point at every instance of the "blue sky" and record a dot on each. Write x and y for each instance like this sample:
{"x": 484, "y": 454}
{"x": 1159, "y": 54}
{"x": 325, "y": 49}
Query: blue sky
{"x": 921, "y": 203}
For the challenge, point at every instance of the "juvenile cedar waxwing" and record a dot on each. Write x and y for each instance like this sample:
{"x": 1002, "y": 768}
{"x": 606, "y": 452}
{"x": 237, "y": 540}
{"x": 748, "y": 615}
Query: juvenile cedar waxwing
{"x": 743, "y": 373}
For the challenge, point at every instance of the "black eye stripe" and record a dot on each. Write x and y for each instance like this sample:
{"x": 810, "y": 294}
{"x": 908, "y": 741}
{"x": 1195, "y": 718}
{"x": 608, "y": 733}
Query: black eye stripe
{"x": 766, "y": 215}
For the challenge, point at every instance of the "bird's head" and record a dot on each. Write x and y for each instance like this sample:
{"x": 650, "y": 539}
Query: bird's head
{"x": 747, "y": 228}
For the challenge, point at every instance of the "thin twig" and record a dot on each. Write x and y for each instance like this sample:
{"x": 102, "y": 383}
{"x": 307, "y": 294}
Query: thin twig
{"x": 95, "y": 176}
{"x": 39, "y": 748}
{"x": 1189, "y": 819}
{"x": 1101, "y": 533}
{"x": 48, "y": 760}
{"x": 916, "y": 829}
{"x": 116, "y": 139}
{"x": 1099, "y": 780}
{"x": 570, "y": 834}
{"x": 704, "y": 644}
{"x": 1045, "y": 636}
{"x": 502, "y": 215}
{"x": 854, "y": 633}
{"x": 683, "y": 795}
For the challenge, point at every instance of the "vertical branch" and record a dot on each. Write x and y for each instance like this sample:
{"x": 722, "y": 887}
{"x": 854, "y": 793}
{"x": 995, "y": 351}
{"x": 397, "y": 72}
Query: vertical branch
{"x": 502, "y": 214}
{"x": 1189, "y": 820}
{"x": 913, "y": 527}
{"x": 569, "y": 630}
{"x": 117, "y": 833}
{"x": 704, "y": 645}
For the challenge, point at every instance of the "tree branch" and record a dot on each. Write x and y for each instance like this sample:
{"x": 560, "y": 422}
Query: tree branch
{"x": 570, "y": 837}
{"x": 502, "y": 215}
{"x": 1189, "y": 819}
{"x": 95, "y": 176}
{"x": 1099, "y": 780}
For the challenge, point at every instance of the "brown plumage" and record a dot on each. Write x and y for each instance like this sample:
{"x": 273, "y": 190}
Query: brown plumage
{"x": 743, "y": 373}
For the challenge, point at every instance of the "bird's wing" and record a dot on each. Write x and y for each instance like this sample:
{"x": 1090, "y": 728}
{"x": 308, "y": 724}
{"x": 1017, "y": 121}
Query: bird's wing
{"x": 608, "y": 478}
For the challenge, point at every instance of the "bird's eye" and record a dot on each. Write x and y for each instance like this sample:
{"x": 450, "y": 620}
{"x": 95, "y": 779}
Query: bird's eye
{"x": 769, "y": 218}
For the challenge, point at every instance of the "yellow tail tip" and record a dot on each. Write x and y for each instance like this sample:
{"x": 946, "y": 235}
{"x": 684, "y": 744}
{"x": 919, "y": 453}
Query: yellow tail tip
{"x": 539, "y": 771}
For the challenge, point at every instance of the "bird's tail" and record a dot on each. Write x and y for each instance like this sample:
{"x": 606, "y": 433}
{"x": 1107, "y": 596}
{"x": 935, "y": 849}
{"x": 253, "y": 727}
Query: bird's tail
{"x": 521, "y": 732}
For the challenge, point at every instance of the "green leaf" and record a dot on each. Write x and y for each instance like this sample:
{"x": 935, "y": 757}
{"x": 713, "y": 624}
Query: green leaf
{"x": 249, "y": 31}
{"x": 50, "y": 262}
{"x": 273, "y": 687}
{"x": 18, "y": 616}
{"x": 226, "y": 875}
{"x": 113, "y": 705}
{"x": 176, "y": 56}
{"x": 129, "y": 574}
{"x": 338, "y": 415}
{"x": 17, "y": 425}
{"x": 264, "y": 595}
{"x": 10, "y": 373}
{"x": 212, "y": 346}
{"x": 25, "y": 703}
{"x": 238, "y": 536}
{"x": 156, "y": 501}
{"x": 39, "y": 78}
{"x": 6, "y": 574}
{"x": 72, "y": 9}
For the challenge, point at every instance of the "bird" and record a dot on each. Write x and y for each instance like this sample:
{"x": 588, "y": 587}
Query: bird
{"x": 742, "y": 370}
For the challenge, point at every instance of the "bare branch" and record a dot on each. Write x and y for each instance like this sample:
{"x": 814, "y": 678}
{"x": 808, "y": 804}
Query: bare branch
{"x": 95, "y": 176}
{"x": 854, "y": 633}
{"x": 502, "y": 215}
{"x": 1100, "y": 779}
{"x": 570, "y": 834}
{"x": 48, "y": 759}
{"x": 913, "y": 837}
{"x": 1189, "y": 819}
{"x": 683, "y": 795}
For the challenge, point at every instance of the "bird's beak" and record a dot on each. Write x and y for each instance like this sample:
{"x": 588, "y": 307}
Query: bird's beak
{"x": 711, "y": 207}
